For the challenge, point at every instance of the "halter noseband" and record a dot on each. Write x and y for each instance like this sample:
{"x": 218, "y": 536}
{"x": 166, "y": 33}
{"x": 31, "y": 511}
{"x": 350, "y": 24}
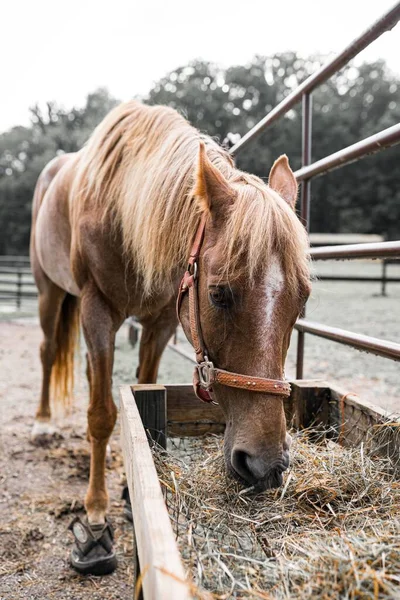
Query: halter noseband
{"x": 205, "y": 374}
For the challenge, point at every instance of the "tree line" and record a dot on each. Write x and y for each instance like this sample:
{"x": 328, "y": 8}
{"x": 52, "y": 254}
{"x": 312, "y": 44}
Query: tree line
{"x": 225, "y": 103}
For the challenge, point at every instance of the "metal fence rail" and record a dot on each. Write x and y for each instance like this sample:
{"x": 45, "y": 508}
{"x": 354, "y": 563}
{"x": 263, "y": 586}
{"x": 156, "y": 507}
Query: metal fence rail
{"x": 375, "y": 250}
{"x": 356, "y": 340}
{"x": 385, "y": 23}
{"x": 377, "y": 142}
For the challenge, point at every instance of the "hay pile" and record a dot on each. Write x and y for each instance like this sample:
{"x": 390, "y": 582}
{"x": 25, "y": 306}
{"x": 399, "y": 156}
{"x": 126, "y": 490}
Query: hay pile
{"x": 332, "y": 531}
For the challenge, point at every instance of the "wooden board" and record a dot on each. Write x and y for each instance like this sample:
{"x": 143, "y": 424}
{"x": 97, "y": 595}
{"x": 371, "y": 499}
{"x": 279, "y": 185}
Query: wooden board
{"x": 189, "y": 416}
{"x": 308, "y": 405}
{"x": 312, "y": 403}
{"x": 357, "y": 421}
{"x": 160, "y": 563}
{"x": 151, "y": 401}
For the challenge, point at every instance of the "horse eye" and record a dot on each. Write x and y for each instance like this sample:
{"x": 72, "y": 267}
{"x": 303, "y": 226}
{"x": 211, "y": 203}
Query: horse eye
{"x": 219, "y": 297}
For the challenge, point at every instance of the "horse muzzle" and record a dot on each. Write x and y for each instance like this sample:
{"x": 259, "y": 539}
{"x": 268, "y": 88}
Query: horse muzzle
{"x": 258, "y": 471}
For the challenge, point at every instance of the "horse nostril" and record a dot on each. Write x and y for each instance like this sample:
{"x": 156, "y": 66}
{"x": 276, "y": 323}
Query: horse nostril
{"x": 249, "y": 467}
{"x": 240, "y": 463}
{"x": 256, "y": 469}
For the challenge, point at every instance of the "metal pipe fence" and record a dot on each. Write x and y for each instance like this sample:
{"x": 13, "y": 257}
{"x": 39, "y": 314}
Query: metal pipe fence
{"x": 385, "y": 23}
{"x": 374, "y": 250}
{"x": 356, "y": 340}
{"x": 375, "y": 143}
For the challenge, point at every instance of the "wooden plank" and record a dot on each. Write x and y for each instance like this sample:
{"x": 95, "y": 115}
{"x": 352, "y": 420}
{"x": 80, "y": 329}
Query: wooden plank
{"x": 312, "y": 403}
{"x": 308, "y": 405}
{"x": 151, "y": 400}
{"x": 356, "y": 421}
{"x": 160, "y": 562}
{"x": 188, "y": 416}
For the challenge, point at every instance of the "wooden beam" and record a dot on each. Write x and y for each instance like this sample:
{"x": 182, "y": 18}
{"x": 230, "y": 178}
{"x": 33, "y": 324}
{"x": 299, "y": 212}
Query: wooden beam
{"x": 188, "y": 416}
{"x": 160, "y": 563}
{"x": 354, "y": 420}
{"x": 308, "y": 405}
{"x": 151, "y": 400}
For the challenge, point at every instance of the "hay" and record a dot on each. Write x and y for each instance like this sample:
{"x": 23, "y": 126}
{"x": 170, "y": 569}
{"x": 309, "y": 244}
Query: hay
{"x": 332, "y": 530}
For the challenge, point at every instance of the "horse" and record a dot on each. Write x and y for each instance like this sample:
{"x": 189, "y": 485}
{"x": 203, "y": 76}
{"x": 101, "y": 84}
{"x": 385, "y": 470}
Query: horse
{"x": 112, "y": 230}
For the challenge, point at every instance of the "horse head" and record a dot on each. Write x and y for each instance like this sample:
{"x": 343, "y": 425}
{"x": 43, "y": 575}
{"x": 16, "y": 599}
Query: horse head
{"x": 252, "y": 280}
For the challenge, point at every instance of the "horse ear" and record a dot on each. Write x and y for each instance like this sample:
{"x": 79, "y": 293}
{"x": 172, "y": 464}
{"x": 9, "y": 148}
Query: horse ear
{"x": 283, "y": 181}
{"x": 211, "y": 187}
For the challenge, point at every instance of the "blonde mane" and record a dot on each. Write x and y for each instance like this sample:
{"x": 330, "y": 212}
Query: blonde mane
{"x": 140, "y": 165}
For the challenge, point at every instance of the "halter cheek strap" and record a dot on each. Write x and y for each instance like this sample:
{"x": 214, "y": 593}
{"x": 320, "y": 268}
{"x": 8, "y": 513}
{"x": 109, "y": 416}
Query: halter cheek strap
{"x": 205, "y": 373}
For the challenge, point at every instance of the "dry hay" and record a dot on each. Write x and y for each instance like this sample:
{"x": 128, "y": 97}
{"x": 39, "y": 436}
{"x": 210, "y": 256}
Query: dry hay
{"x": 332, "y": 531}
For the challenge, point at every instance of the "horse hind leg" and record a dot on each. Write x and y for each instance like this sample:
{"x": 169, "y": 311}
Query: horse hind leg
{"x": 155, "y": 335}
{"x": 59, "y": 319}
{"x": 51, "y": 298}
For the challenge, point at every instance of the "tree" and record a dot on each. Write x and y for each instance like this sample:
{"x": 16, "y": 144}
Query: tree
{"x": 355, "y": 103}
{"x": 24, "y": 152}
{"x": 226, "y": 103}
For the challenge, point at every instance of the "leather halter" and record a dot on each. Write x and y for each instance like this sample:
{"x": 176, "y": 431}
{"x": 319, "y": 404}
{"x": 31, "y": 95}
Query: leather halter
{"x": 205, "y": 373}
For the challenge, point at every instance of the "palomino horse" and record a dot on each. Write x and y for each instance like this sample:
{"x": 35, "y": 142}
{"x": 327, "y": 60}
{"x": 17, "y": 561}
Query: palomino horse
{"x": 113, "y": 226}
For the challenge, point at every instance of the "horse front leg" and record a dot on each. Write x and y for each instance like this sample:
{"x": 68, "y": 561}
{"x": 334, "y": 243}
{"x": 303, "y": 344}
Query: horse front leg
{"x": 93, "y": 551}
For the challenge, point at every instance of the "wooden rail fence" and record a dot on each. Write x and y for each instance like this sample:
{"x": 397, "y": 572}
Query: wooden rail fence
{"x": 16, "y": 281}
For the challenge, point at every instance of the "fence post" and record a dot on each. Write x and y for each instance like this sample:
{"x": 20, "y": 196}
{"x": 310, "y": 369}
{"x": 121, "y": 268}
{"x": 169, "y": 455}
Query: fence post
{"x": 384, "y": 278}
{"x": 304, "y": 209}
{"x": 19, "y": 288}
{"x": 151, "y": 401}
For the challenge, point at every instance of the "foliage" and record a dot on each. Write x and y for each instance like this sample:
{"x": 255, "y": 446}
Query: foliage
{"x": 355, "y": 103}
{"x": 24, "y": 151}
{"x": 226, "y": 103}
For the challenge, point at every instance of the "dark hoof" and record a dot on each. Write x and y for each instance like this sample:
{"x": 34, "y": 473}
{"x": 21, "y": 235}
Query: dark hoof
{"x": 93, "y": 552}
{"x": 128, "y": 506}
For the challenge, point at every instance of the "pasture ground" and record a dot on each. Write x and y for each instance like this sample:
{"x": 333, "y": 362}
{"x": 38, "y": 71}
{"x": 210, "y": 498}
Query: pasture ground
{"x": 42, "y": 488}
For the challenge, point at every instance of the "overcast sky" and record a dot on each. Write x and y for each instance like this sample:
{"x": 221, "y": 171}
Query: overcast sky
{"x": 61, "y": 51}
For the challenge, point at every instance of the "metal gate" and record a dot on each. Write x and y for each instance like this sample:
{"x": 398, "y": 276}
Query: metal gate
{"x": 375, "y": 143}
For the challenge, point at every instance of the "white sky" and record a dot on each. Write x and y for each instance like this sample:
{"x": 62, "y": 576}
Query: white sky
{"x": 63, "y": 50}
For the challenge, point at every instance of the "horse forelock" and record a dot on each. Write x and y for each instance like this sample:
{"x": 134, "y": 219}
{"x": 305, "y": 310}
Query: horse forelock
{"x": 262, "y": 226}
{"x": 139, "y": 165}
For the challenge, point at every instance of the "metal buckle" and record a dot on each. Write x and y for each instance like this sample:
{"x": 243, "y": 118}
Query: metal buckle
{"x": 194, "y": 272}
{"x": 205, "y": 371}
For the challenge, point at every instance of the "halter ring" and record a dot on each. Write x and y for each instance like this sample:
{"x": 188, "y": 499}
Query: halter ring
{"x": 205, "y": 370}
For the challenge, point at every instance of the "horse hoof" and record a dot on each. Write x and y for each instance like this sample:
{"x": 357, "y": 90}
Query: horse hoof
{"x": 43, "y": 430}
{"x": 93, "y": 552}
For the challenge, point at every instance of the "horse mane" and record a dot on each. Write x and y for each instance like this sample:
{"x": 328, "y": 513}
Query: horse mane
{"x": 140, "y": 165}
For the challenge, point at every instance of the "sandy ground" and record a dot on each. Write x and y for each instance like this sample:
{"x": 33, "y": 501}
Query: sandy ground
{"x": 42, "y": 488}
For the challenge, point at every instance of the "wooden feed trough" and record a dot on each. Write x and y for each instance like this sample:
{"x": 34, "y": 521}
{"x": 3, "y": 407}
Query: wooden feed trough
{"x": 175, "y": 411}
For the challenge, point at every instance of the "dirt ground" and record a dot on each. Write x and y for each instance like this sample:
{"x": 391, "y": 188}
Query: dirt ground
{"x": 42, "y": 488}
